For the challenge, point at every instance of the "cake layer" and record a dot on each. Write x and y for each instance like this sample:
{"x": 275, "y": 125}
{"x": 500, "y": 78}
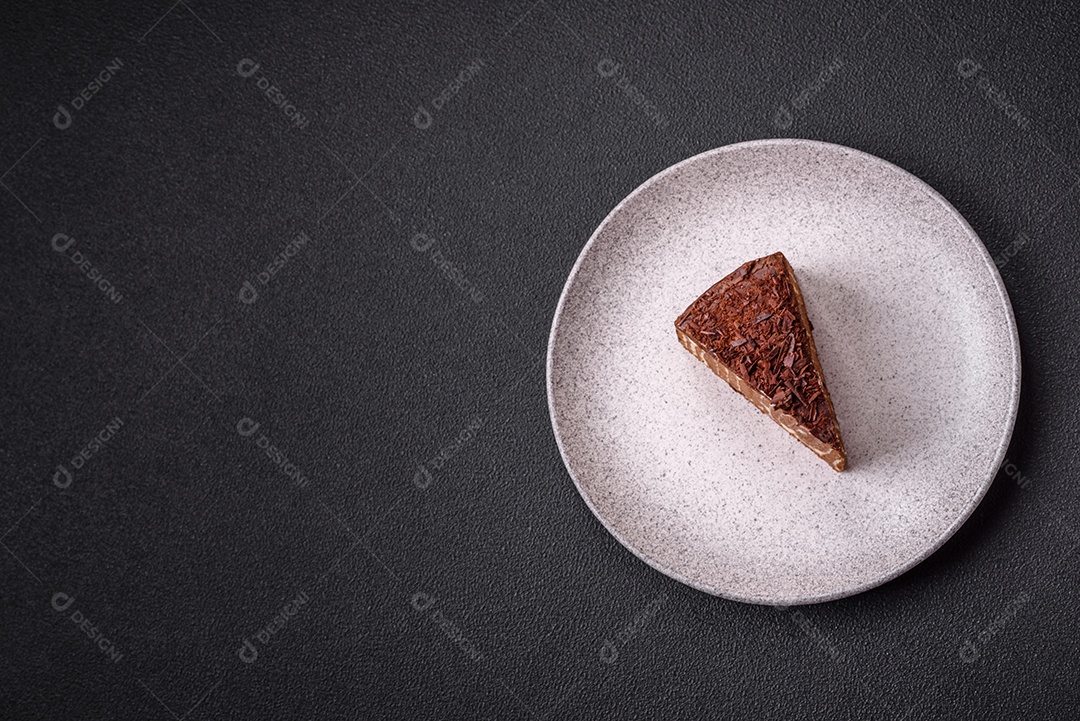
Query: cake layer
{"x": 752, "y": 329}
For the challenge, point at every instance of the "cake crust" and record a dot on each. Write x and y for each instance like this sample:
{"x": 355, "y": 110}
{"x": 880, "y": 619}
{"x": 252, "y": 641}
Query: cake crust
{"x": 752, "y": 330}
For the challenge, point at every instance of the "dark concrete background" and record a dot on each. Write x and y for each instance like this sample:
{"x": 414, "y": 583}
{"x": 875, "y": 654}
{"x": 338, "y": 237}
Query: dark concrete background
{"x": 398, "y": 538}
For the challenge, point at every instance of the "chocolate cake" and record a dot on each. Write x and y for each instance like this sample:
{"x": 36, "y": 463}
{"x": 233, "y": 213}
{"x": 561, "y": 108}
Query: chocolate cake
{"x": 752, "y": 330}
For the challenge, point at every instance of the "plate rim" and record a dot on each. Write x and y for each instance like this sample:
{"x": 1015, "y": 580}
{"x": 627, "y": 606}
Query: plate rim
{"x": 1003, "y": 443}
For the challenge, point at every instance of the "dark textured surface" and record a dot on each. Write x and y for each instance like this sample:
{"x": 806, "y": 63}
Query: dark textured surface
{"x": 451, "y": 569}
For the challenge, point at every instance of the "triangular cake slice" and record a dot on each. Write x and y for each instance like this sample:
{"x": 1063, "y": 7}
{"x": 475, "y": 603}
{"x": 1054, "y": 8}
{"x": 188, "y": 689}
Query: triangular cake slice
{"x": 751, "y": 329}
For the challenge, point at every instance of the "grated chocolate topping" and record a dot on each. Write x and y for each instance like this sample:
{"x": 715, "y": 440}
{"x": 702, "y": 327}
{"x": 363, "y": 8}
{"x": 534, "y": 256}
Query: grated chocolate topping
{"x": 750, "y": 322}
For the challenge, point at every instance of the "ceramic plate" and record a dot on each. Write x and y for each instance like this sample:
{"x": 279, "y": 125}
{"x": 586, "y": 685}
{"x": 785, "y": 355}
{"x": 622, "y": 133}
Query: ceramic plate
{"x": 915, "y": 333}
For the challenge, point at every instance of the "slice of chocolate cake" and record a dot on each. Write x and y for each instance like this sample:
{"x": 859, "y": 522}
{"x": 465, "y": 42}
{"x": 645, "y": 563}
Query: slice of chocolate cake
{"x": 751, "y": 329}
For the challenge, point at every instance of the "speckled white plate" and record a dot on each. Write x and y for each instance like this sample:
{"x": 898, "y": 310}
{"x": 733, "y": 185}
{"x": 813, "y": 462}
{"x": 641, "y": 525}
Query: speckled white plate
{"x": 916, "y": 336}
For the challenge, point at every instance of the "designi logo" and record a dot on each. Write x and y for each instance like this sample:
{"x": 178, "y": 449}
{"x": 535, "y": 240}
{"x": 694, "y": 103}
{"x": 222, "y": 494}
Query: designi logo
{"x": 247, "y": 427}
{"x": 62, "y": 119}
